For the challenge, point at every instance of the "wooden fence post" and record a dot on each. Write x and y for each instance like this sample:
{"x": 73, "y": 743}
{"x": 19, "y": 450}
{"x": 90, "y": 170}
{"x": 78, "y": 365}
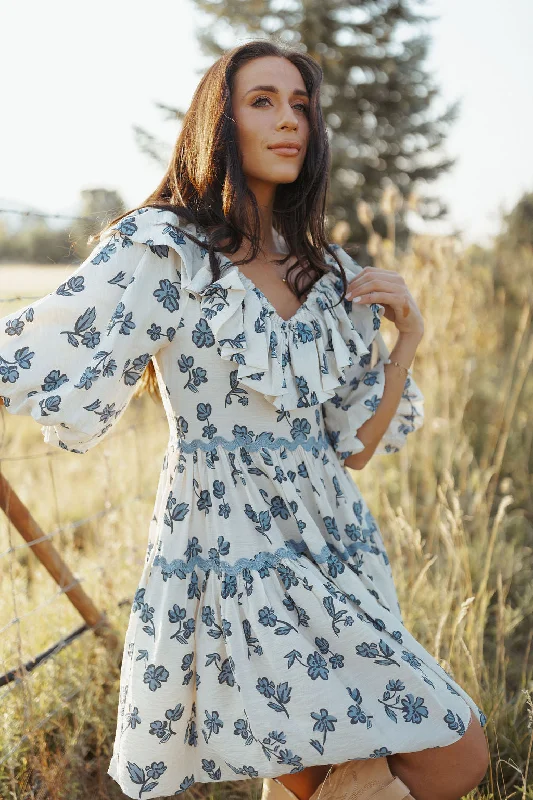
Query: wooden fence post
{"x": 20, "y": 517}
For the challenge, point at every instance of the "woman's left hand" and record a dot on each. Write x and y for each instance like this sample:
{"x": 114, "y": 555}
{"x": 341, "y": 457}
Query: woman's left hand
{"x": 374, "y": 285}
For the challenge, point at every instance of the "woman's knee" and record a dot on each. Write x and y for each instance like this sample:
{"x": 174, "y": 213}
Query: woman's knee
{"x": 455, "y": 769}
{"x": 476, "y": 749}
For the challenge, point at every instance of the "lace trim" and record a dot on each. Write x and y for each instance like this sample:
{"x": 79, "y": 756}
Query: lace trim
{"x": 261, "y": 443}
{"x": 180, "y": 568}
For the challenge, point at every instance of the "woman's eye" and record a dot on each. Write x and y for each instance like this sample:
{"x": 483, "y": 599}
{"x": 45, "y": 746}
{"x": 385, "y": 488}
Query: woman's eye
{"x": 303, "y": 106}
{"x": 258, "y": 99}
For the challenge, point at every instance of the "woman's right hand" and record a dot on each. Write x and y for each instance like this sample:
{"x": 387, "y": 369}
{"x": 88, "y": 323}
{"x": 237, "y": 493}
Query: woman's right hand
{"x": 374, "y": 285}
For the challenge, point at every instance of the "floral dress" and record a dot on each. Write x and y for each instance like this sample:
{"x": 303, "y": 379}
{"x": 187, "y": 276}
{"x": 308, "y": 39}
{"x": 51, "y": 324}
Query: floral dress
{"x": 265, "y": 634}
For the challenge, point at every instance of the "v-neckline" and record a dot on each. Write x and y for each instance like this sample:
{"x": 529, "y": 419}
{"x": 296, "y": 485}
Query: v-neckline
{"x": 249, "y": 284}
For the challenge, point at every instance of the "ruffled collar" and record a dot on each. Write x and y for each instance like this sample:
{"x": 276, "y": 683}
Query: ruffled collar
{"x": 294, "y": 363}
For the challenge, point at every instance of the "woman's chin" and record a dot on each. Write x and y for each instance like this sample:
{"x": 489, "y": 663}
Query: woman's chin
{"x": 274, "y": 176}
{"x": 283, "y": 175}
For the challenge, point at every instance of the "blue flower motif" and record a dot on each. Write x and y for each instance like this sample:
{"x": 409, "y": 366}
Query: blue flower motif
{"x": 54, "y": 380}
{"x": 356, "y": 714}
{"x": 266, "y": 687}
{"x": 156, "y": 769}
{"x": 267, "y": 617}
{"x": 213, "y": 722}
{"x": 300, "y": 429}
{"x": 202, "y": 335}
{"x": 168, "y": 295}
{"x": 155, "y": 676}
{"x": 208, "y": 615}
{"x": 317, "y": 666}
{"x": 413, "y": 710}
{"x": 324, "y": 720}
{"x": 303, "y": 332}
{"x": 367, "y": 650}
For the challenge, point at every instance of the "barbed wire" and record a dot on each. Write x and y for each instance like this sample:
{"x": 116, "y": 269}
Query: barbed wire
{"x": 26, "y": 736}
{"x": 13, "y": 677}
{"x": 47, "y": 215}
{"x": 57, "y": 453}
{"x": 20, "y": 297}
{"x": 52, "y": 598}
{"x": 72, "y": 526}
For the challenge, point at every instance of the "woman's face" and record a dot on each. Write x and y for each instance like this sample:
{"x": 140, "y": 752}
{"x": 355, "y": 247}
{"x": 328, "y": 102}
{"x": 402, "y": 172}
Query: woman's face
{"x": 270, "y": 105}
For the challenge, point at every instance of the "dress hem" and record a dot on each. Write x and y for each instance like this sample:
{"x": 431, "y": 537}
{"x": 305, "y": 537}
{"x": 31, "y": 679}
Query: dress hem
{"x": 113, "y": 771}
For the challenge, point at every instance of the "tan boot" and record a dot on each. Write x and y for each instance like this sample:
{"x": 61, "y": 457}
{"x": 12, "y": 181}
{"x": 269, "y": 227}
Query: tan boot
{"x": 275, "y": 790}
{"x": 361, "y": 779}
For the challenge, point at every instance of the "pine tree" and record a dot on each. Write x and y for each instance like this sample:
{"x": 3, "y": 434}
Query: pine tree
{"x": 376, "y": 94}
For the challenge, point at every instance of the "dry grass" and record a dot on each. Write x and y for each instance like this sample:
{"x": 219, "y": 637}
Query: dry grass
{"x": 454, "y": 508}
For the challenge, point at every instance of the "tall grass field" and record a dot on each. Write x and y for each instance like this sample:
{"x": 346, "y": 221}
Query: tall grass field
{"x": 455, "y": 507}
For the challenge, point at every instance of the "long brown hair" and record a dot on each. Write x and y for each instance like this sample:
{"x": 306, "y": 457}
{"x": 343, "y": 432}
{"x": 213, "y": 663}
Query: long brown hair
{"x": 205, "y": 184}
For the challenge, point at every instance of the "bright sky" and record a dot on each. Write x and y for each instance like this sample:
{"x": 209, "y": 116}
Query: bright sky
{"x": 83, "y": 76}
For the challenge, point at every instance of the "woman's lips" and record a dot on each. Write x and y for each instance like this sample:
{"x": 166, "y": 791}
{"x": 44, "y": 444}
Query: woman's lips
{"x": 285, "y": 151}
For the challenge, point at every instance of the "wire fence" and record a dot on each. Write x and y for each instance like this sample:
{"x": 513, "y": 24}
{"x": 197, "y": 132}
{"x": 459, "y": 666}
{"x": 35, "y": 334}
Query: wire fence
{"x": 22, "y": 671}
{"x": 46, "y": 215}
{"x": 25, "y": 548}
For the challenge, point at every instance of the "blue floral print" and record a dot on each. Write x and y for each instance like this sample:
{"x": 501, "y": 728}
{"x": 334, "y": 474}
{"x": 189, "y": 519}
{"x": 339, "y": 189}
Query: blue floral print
{"x": 266, "y": 575}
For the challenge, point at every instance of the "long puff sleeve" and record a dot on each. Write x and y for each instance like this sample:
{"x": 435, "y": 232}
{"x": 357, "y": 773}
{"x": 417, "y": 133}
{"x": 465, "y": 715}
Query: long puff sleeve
{"x": 358, "y": 398}
{"x": 72, "y": 359}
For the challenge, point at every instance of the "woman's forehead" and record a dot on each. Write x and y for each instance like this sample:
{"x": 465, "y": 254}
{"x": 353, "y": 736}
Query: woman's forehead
{"x": 272, "y": 70}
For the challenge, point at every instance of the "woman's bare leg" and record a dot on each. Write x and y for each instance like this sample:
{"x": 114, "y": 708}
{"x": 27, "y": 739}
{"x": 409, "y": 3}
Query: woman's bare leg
{"x": 445, "y": 773}
{"x": 437, "y": 773}
{"x": 304, "y": 783}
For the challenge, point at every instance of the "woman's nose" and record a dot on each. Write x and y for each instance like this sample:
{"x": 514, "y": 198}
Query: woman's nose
{"x": 289, "y": 117}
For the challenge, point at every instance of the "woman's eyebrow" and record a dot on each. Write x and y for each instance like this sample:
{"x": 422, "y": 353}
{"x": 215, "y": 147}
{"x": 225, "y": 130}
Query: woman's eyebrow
{"x": 274, "y": 90}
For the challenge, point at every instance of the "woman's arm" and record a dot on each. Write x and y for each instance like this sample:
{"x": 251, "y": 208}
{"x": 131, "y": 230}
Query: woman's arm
{"x": 372, "y": 431}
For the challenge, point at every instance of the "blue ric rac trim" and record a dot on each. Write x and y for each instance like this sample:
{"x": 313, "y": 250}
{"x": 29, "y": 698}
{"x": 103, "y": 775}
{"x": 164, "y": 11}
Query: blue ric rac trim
{"x": 180, "y": 568}
{"x": 262, "y": 442}
{"x": 326, "y": 554}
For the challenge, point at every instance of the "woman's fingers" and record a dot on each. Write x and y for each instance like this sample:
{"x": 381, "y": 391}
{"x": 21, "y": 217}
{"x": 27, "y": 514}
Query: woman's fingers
{"x": 385, "y": 298}
{"x": 371, "y": 283}
{"x": 405, "y": 313}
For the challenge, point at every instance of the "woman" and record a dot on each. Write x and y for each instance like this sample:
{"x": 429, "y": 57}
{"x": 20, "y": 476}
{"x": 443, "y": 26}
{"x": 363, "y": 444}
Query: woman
{"x": 266, "y": 612}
